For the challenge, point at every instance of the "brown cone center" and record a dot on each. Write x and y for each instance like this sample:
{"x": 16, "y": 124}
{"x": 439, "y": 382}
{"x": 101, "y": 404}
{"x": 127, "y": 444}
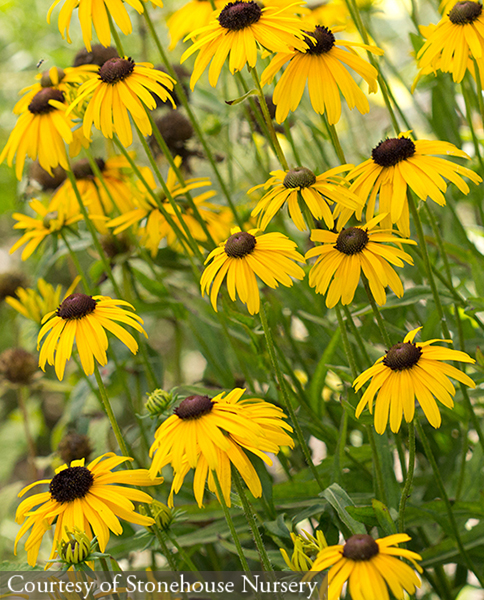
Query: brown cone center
{"x": 83, "y": 170}
{"x": 299, "y": 177}
{"x": 70, "y": 484}
{"x": 240, "y": 244}
{"x": 324, "y": 40}
{"x": 465, "y": 13}
{"x": 391, "y": 151}
{"x": 46, "y": 81}
{"x": 116, "y": 69}
{"x": 239, "y": 15}
{"x": 194, "y": 407}
{"x": 76, "y": 306}
{"x": 352, "y": 240}
{"x": 401, "y": 356}
{"x": 39, "y": 104}
{"x": 360, "y": 547}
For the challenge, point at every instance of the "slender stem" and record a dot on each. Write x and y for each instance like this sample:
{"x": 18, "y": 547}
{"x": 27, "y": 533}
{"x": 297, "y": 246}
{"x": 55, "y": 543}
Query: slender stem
{"x": 357, "y": 335}
{"x": 409, "y": 478}
{"x": 333, "y": 135}
{"x": 76, "y": 262}
{"x": 32, "y": 452}
{"x": 183, "y": 553}
{"x": 445, "y": 498}
{"x": 268, "y": 120}
{"x": 114, "y": 33}
{"x": 167, "y": 553}
{"x": 377, "y": 313}
{"x": 287, "y": 401}
{"x": 249, "y": 515}
{"x": 230, "y": 523}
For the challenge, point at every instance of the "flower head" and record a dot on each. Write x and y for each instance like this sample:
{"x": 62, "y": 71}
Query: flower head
{"x": 208, "y": 434}
{"x": 400, "y": 162}
{"x": 237, "y": 29}
{"x": 84, "y": 319}
{"x": 410, "y": 371}
{"x": 82, "y": 497}
{"x": 301, "y": 185}
{"x": 40, "y": 132}
{"x": 122, "y": 88}
{"x": 370, "y": 567}
{"x": 246, "y": 254}
{"x": 458, "y": 34}
{"x": 324, "y": 67}
{"x": 343, "y": 255}
{"x": 306, "y": 547}
{"x": 49, "y": 221}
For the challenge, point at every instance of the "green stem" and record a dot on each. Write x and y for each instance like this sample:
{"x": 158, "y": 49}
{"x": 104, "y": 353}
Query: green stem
{"x": 32, "y": 452}
{"x": 167, "y": 553}
{"x": 333, "y": 135}
{"x": 230, "y": 523}
{"x": 249, "y": 515}
{"x": 76, "y": 262}
{"x": 440, "y": 484}
{"x": 287, "y": 401}
{"x": 409, "y": 477}
{"x": 377, "y": 313}
{"x": 114, "y": 33}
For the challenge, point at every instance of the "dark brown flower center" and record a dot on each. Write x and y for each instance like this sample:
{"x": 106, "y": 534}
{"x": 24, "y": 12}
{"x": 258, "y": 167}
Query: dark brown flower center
{"x": 39, "y": 104}
{"x": 240, "y": 244}
{"x": 239, "y": 15}
{"x": 465, "y": 13}
{"x": 360, "y": 547}
{"x": 324, "y": 40}
{"x": 83, "y": 170}
{"x": 194, "y": 407}
{"x": 391, "y": 151}
{"x": 17, "y": 365}
{"x": 299, "y": 177}
{"x": 76, "y": 306}
{"x": 352, "y": 240}
{"x": 74, "y": 446}
{"x": 116, "y": 69}
{"x": 46, "y": 81}
{"x": 98, "y": 55}
{"x": 70, "y": 484}
{"x": 401, "y": 356}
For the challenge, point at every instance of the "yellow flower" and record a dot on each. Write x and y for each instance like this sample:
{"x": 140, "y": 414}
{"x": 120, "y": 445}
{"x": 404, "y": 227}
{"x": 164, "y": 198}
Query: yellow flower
{"x": 301, "y": 185}
{"x": 210, "y": 434}
{"x": 324, "y": 67}
{"x": 342, "y": 257}
{"x": 408, "y": 371}
{"x": 40, "y": 132}
{"x": 370, "y": 567}
{"x": 64, "y": 80}
{"x": 83, "y": 498}
{"x": 97, "y": 12}
{"x": 122, "y": 88}
{"x": 157, "y": 227}
{"x": 305, "y": 548}
{"x": 244, "y": 255}
{"x": 49, "y": 221}
{"x": 192, "y": 15}
{"x": 33, "y": 304}
{"x": 84, "y": 319}
{"x": 237, "y": 30}
{"x": 400, "y": 162}
{"x": 93, "y": 193}
{"x": 458, "y": 34}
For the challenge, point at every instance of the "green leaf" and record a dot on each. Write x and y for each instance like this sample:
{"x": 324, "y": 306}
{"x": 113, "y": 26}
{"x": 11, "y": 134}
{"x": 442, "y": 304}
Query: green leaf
{"x": 241, "y": 99}
{"x": 319, "y": 376}
{"x": 385, "y": 521}
{"x": 339, "y": 500}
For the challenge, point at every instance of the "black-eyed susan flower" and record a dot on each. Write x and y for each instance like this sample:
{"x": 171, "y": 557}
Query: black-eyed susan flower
{"x": 396, "y": 163}
{"x": 270, "y": 256}
{"x": 324, "y": 67}
{"x": 48, "y": 222}
{"x": 210, "y": 434}
{"x": 34, "y": 304}
{"x": 64, "y": 80}
{"x": 85, "y": 320}
{"x": 343, "y": 255}
{"x": 237, "y": 30}
{"x": 458, "y": 34}
{"x": 371, "y": 567}
{"x": 122, "y": 88}
{"x": 84, "y": 498}
{"x": 410, "y": 371}
{"x": 301, "y": 185}
{"x": 192, "y": 15}
{"x": 96, "y": 13}
{"x": 98, "y": 199}
{"x": 41, "y": 131}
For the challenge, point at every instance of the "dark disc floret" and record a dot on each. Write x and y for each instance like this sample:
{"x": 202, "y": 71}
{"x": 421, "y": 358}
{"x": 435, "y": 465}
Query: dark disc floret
{"x": 352, "y": 240}
{"x": 324, "y": 40}
{"x": 46, "y": 81}
{"x": 299, "y": 177}
{"x": 70, "y": 484}
{"x": 116, "y": 69}
{"x": 401, "y": 356}
{"x": 240, "y": 244}
{"x": 39, "y": 104}
{"x": 360, "y": 547}
{"x": 83, "y": 170}
{"x": 76, "y": 306}
{"x": 391, "y": 151}
{"x": 239, "y": 15}
{"x": 465, "y": 13}
{"x": 194, "y": 407}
